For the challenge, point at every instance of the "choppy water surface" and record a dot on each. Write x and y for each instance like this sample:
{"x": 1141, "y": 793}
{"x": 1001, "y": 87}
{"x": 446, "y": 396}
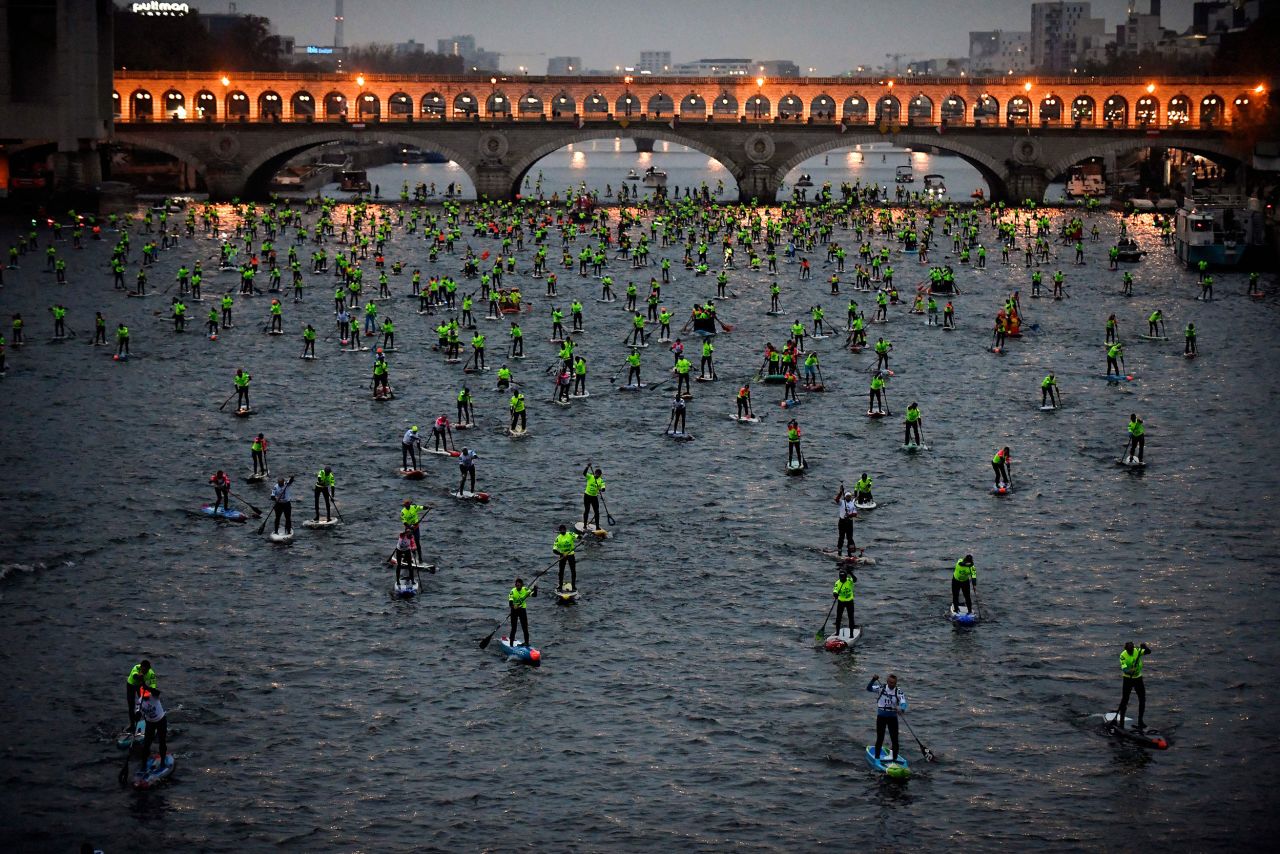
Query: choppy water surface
{"x": 681, "y": 704}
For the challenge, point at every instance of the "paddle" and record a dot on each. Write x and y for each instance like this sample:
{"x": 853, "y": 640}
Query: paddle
{"x": 228, "y": 400}
{"x": 924, "y": 751}
{"x": 484, "y": 644}
{"x": 607, "y": 514}
{"x": 256, "y": 511}
{"x": 822, "y": 632}
{"x": 266, "y": 519}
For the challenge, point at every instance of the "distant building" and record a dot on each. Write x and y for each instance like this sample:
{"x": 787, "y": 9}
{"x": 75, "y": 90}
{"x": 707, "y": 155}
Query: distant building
{"x": 773, "y": 68}
{"x": 722, "y": 67}
{"x": 563, "y": 66}
{"x": 324, "y": 55}
{"x": 999, "y": 52}
{"x": 409, "y": 48}
{"x": 1061, "y": 33}
{"x": 1140, "y": 33}
{"x": 472, "y": 56}
{"x": 1220, "y": 16}
{"x": 654, "y": 62}
{"x": 939, "y": 67}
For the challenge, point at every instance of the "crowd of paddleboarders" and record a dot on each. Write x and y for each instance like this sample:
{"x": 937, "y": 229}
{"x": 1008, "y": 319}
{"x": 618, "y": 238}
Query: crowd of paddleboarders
{"x": 491, "y": 253}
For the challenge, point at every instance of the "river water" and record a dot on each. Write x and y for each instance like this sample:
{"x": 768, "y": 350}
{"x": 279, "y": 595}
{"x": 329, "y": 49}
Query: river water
{"x": 681, "y": 704}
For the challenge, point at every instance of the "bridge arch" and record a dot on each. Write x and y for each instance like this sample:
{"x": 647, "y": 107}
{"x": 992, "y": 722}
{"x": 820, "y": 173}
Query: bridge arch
{"x": 920, "y": 110}
{"x": 431, "y": 105}
{"x": 692, "y": 106}
{"x": 497, "y": 104}
{"x": 368, "y": 107}
{"x": 270, "y": 106}
{"x": 953, "y": 109}
{"x": 302, "y": 105}
{"x": 236, "y": 105}
{"x": 116, "y": 110}
{"x": 562, "y": 104}
{"x": 1147, "y": 110}
{"x": 855, "y": 110}
{"x": 465, "y": 105}
{"x": 724, "y": 105}
{"x": 1050, "y": 110}
{"x": 989, "y": 167}
{"x": 205, "y": 104}
{"x": 529, "y": 159}
{"x": 531, "y": 105}
{"x": 823, "y": 107}
{"x": 758, "y": 107}
{"x": 1179, "y": 110}
{"x": 1018, "y": 111}
{"x": 662, "y": 103}
{"x": 1116, "y": 110}
{"x": 1212, "y": 110}
{"x": 888, "y": 110}
{"x": 1216, "y": 150}
{"x": 141, "y": 107}
{"x": 790, "y": 106}
{"x": 335, "y": 106}
{"x": 1084, "y": 111}
{"x": 595, "y": 103}
{"x": 986, "y": 110}
{"x": 258, "y": 171}
{"x": 400, "y": 106}
{"x": 149, "y": 142}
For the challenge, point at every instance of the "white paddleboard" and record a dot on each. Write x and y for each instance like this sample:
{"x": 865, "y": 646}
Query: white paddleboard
{"x": 280, "y": 538}
{"x": 322, "y": 523}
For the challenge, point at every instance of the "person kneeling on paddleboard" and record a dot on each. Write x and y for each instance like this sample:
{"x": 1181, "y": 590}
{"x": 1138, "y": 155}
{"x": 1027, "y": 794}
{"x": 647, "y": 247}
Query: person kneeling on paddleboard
{"x": 519, "y": 614}
{"x": 890, "y": 700}
{"x": 1131, "y": 668}
{"x": 964, "y": 579}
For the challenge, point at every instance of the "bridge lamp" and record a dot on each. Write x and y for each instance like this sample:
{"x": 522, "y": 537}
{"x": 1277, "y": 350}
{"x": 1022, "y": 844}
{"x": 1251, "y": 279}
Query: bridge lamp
{"x": 360, "y": 80}
{"x": 1026, "y": 87}
{"x": 1151, "y": 87}
{"x": 226, "y": 81}
{"x": 1259, "y": 90}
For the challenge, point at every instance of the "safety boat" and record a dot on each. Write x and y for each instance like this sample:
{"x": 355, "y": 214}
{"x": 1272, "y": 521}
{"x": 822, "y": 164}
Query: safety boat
{"x": 654, "y": 177}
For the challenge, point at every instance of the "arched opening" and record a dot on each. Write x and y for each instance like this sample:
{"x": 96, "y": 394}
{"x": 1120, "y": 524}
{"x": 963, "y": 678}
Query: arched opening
{"x": 855, "y": 110}
{"x": 1083, "y": 111}
{"x": 1147, "y": 111}
{"x": 790, "y": 107}
{"x": 627, "y": 105}
{"x": 563, "y": 105}
{"x": 953, "y": 110}
{"x": 302, "y": 106}
{"x": 822, "y": 107}
{"x": 431, "y": 106}
{"x": 888, "y": 110}
{"x": 1179, "y": 112}
{"x": 1115, "y": 111}
{"x": 237, "y": 105}
{"x": 758, "y": 107}
{"x": 151, "y": 170}
{"x": 530, "y": 105}
{"x": 1018, "y": 112}
{"x": 335, "y": 106}
{"x": 400, "y": 106}
{"x": 497, "y": 104}
{"x": 986, "y": 110}
{"x": 1050, "y": 111}
{"x": 603, "y": 163}
{"x": 140, "y": 106}
{"x": 115, "y": 105}
{"x": 1150, "y": 176}
{"x": 595, "y": 104}
{"x": 920, "y": 110}
{"x": 369, "y": 107}
{"x": 428, "y": 170}
{"x": 693, "y": 107}
{"x": 1211, "y": 110}
{"x": 661, "y": 104}
{"x": 206, "y": 105}
{"x": 724, "y": 106}
{"x": 175, "y": 105}
{"x": 857, "y": 162}
{"x": 270, "y": 107}
{"x": 465, "y": 106}
{"x": 1242, "y": 109}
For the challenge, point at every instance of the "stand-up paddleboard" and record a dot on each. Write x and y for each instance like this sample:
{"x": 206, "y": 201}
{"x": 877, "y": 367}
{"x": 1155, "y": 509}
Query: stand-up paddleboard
{"x": 962, "y": 618}
{"x": 633, "y": 386}
{"x": 1154, "y": 337}
{"x": 680, "y": 435}
{"x": 912, "y": 447}
{"x": 132, "y": 737}
{"x": 307, "y": 358}
{"x": 1118, "y": 378}
{"x": 319, "y": 523}
{"x": 518, "y": 434}
{"x": 796, "y": 467}
{"x": 876, "y": 413}
{"x": 257, "y": 478}
{"x": 567, "y": 595}
{"x": 406, "y": 588}
{"x": 774, "y": 313}
{"x": 559, "y": 402}
{"x": 224, "y": 513}
{"x": 153, "y": 771}
{"x": 286, "y": 537}
{"x": 582, "y": 396}
{"x": 464, "y": 425}
{"x": 516, "y": 651}
{"x": 464, "y": 495}
{"x": 1131, "y": 462}
{"x": 814, "y": 387}
{"x": 787, "y": 404}
{"x": 1147, "y": 737}
{"x": 745, "y": 419}
{"x": 1188, "y": 355}
{"x": 1048, "y": 407}
{"x": 412, "y": 474}
{"x": 244, "y": 411}
{"x": 590, "y": 528}
{"x": 706, "y": 379}
{"x": 842, "y": 640}
{"x": 384, "y": 393}
{"x": 894, "y": 769}
{"x": 442, "y": 452}
{"x": 869, "y": 504}
{"x": 275, "y": 331}
{"x": 1000, "y": 490}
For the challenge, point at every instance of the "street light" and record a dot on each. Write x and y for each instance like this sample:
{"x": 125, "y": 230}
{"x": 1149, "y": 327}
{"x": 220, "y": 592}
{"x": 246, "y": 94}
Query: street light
{"x": 626, "y": 101}
{"x": 359, "y": 79}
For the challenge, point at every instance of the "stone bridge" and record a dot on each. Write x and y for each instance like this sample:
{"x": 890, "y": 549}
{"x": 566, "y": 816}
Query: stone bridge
{"x": 1019, "y": 134}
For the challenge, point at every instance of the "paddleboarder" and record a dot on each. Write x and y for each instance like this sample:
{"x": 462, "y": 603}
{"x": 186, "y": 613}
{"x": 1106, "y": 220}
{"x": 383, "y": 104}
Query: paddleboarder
{"x": 140, "y": 676}
{"x": 242, "y": 380}
{"x": 1000, "y": 464}
{"x": 848, "y": 511}
{"x": 405, "y": 545}
{"x": 410, "y": 517}
{"x": 964, "y": 579}
{"x": 912, "y": 425}
{"x": 516, "y": 599}
{"x": 1131, "y": 660}
{"x": 221, "y": 490}
{"x": 842, "y": 592}
{"x": 282, "y": 504}
{"x": 467, "y": 466}
{"x": 409, "y": 445}
{"x": 157, "y": 726}
{"x": 744, "y": 402}
{"x": 890, "y": 700}
{"x": 1137, "y": 438}
{"x": 324, "y": 487}
{"x": 564, "y": 546}
{"x": 591, "y": 494}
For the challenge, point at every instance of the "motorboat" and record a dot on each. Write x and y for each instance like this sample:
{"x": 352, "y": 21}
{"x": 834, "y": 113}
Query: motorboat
{"x": 902, "y": 175}
{"x": 654, "y": 177}
{"x": 804, "y": 181}
{"x": 934, "y": 186}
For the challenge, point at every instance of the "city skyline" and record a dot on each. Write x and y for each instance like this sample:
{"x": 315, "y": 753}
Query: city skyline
{"x": 527, "y": 34}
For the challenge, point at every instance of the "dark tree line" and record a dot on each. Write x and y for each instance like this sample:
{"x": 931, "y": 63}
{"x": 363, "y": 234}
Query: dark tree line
{"x": 181, "y": 43}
